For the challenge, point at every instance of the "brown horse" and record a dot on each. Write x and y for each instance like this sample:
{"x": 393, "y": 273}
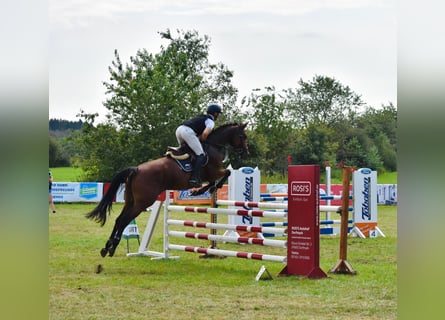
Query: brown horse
{"x": 145, "y": 182}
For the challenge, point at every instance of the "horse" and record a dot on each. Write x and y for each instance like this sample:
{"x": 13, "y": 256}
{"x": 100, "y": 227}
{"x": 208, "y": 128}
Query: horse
{"x": 146, "y": 181}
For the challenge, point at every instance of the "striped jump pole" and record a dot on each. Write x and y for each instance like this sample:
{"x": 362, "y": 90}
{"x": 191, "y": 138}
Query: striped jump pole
{"x": 251, "y": 204}
{"x": 273, "y": 199}
{"x": 232, "y": 227}
{"x": 229, "y": 253}
{"x": 330, "y": 229}
{"x": 276, "y": 224}
{"x": 273, "y": 195}
{"x": 212, "y": 237}
{"x": 248, "y": 204}
{"x": 332, "y": 197}
{"x": 333, "y": 221}
{"x": 236, "y": 212}
{"x": 285, "y": 198}
{"x": 326, "y": 230}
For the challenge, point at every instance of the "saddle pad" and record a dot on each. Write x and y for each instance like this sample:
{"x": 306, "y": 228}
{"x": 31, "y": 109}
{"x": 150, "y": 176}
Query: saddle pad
{"x": 185, "y": 165}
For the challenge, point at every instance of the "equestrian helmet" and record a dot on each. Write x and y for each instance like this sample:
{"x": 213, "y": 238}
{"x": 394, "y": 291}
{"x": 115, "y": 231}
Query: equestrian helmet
{"x": 212, "y": 108}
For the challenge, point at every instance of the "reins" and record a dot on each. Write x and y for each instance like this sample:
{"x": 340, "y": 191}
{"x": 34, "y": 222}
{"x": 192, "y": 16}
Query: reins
{"x": 220, "y": 146}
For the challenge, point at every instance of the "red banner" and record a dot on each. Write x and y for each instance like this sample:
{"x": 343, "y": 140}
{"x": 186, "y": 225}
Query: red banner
{"x": 303, "y": 233}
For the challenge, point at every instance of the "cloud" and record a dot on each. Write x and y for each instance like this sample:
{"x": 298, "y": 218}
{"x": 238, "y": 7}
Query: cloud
{"x": 71, "y": 13}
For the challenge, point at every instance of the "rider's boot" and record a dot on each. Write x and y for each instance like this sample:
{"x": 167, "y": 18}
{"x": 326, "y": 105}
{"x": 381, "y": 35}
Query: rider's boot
{"x": 195, "y": 179}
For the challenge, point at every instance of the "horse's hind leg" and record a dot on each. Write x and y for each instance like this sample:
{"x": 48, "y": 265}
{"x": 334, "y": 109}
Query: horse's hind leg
{"x": 127, "y": 214}
{"x": 113, "y": 241}
{"x": 108, "y": 244}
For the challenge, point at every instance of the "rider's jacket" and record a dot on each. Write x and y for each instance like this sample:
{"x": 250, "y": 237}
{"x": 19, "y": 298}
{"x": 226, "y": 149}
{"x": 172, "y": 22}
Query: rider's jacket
{"x": 198, "y": 123}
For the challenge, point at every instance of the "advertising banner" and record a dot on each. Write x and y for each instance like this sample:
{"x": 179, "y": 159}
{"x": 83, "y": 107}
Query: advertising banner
{"x": 244, "y": 185}
{"x": 387, "y": 194}
{"x": 77, "y": 191}
{"x": 184, "y": 197}
{"x": 303, "y": 242}
{"x": 365, "y": 201}
{"x": 131, "y": 230}
{"x": 120, "y": 195}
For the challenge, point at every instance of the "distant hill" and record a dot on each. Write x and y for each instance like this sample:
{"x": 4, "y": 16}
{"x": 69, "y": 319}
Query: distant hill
{"x": 61, "y": 125}
{"x": 59, "y": 128}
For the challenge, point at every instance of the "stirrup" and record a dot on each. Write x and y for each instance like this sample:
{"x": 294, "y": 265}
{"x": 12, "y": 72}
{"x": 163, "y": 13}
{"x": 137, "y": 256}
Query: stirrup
{"x": 195, "y": 183}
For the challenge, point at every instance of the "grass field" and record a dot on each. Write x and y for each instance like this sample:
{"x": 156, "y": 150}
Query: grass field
{"x": 194, "y": 288}
{"x": 71, "y": 174}
{"x": 67, "y": 174}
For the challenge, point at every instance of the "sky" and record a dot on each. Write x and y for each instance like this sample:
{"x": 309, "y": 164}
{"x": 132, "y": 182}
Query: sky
{"x": 265, "y": 42}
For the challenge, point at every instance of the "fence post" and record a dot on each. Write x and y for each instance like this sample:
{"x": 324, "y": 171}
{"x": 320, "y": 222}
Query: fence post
{"x": 343, "y": 265}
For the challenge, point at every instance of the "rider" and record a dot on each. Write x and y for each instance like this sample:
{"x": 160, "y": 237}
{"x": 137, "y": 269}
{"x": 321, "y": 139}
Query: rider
{"x": 195, "y": 130}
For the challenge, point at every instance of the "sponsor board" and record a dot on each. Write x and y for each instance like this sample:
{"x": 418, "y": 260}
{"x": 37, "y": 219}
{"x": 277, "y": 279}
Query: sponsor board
{"x": 244, "y": 185}
{"x": 365, "y": 200}
{"x": 77, "y": 191}
{"x": 303, "y": 242}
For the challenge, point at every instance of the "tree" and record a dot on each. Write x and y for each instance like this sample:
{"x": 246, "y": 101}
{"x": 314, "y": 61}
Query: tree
{"x": 322, "y": 101}
{"x": 380, "y": 126}
{"x": 150, "y": 96}
{"x": 62, "y": 125}
{"x": 103, "y": 148}
{"x": 57, "y": 158}
{"x": 155, "y": 93}
{"x": 53, "y": 152}
{"x": 314, "y": 146}
{"x": 272, "y": 131}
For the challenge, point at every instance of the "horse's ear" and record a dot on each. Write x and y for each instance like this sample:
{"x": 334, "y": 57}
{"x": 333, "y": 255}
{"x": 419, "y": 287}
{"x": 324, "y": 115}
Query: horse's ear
{"x": 244, "y": 125}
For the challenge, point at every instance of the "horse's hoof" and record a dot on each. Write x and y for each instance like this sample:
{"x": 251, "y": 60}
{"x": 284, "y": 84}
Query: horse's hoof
{"x": 103, "y": 252}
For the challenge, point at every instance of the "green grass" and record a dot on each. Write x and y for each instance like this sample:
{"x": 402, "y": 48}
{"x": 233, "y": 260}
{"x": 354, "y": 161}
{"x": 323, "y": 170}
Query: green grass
{"x": 387, "y": 178}
{"x": 194, "y": 288}
{"x": 67, "y": 174}
{"x": 71, "y": 174}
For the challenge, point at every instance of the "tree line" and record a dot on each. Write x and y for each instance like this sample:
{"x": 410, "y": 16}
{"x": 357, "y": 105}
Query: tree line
{"x": 63, "y": 125}
{"x": 319, "y": 120}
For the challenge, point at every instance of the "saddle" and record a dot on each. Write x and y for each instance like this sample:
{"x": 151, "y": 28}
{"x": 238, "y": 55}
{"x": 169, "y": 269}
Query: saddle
{"x": 179, "y": 153}
{"x": 183, "y": 156}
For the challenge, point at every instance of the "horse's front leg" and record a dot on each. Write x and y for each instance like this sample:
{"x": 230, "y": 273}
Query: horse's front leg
{"x": 202, "y": 190}
{"x": 222, "y": 175}
{"x": 223, "y": 180}
{"x": 219, "y": 183}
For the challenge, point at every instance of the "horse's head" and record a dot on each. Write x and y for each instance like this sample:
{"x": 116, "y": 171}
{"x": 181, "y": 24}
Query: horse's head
{"x": 232, "y": 134}
{"x": 239, "y": 140}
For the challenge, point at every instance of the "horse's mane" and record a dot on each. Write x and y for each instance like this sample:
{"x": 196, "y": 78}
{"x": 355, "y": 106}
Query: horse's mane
{"x": 223, "y": 126}
{"x": 217, "y": 132}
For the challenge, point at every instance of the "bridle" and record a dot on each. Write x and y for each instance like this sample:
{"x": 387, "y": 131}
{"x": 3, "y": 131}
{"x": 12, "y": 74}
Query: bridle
{"x": 240, "y": 148}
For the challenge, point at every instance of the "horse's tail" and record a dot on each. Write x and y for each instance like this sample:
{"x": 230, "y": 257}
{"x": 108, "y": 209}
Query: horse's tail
{"x": 99, "y": 213}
